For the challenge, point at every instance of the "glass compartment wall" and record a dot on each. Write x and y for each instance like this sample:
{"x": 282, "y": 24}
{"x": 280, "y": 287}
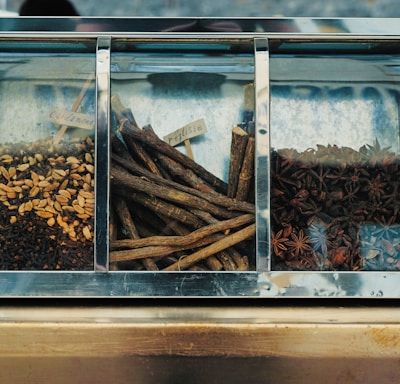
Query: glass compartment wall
{"x": 47, "y": 98}
{"x": 182, "y": 116}
{"x": 335, "y": 161}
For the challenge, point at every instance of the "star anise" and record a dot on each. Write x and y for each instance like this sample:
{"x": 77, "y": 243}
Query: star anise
{"x": 278, "y": 242}
{"x": 299, "y": 244}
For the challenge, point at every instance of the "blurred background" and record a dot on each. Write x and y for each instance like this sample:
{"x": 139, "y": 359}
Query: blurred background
{"x": 229, "y": 8}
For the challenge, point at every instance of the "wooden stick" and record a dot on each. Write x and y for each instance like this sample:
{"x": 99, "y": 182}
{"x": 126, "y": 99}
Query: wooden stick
{"x": 214, "y": 248}
{"x": 121, "y": 177}
{"x": 247, "y": 171}
{"x": 125, "y": 217}
{"x": 188, "y": 149}
{"x": 158, "y": 250}
{"x": 218, "y": 199}
{"x": 238, "y": 147}
{"x": 192, "y": 237}
{"x": 152, "y": 140}
{"x": 62, "y": 130}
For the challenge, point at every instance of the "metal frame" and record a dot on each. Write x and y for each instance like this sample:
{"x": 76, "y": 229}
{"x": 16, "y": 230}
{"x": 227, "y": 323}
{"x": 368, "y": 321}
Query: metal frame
{"x": 261, "y": 283}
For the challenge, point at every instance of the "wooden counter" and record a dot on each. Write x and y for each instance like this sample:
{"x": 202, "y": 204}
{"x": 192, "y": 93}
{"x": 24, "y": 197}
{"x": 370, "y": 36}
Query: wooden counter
{"x": 199, "y": 344}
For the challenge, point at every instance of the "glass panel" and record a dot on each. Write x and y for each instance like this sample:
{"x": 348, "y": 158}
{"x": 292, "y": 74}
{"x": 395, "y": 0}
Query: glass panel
{"x": 46, "y": 158}
{"x": 335, "y": 162}
{"x": 175, "y": 188}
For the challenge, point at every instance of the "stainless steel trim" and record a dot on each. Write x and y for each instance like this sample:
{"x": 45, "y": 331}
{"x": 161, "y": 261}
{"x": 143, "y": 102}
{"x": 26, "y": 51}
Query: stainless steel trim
{"x": 103, "y": 59}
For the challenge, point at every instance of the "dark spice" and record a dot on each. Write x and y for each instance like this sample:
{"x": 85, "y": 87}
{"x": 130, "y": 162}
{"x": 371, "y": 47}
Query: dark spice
{"x": 335, "y": 208}
{"x": 47, "y": 205}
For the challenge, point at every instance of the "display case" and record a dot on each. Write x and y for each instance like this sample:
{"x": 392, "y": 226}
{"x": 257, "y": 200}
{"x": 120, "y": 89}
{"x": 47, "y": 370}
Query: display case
{"x": 199, "y": 157}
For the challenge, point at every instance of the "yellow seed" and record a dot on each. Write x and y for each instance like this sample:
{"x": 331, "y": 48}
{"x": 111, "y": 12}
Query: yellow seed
{"x": 43, "y": 183}
{"x": 6, "y": 158}
{"x": 83, "y": 216}
{"x": 78, "y": 208}
{"x": 86, "y": 187}
{"x": 90, "y": 168}
{"x": 64, "y": 184}
{"x": 28, "y": 182}
{"x": 61, "y": 222}
{"x": 86, "y": 232}
{"x": 6, "y": 188}
{"x": 64, "y": 193}
{"x": 51, "y": 187}
{"x": 39, "y": 157}
{"x": 86, "y": 194}
{"x": 88, "y": 157}
{"x": 42, "y": 203}
{"x": 28, "y": 206}
{"x": 31, "y": 160}
{"x": 13, "y": 219}
{"x": 44, "y": 214}
{"x": 51, "y": 221}
{"x": 18, "y": 183}
{"x": 62, "y": 199}
{"x": 71, "y": 191}
{"x": 11, "y": 195}
{"x": 12, "y": 172}
{"x": 23, "y": 167}
{"x": 4, "y": 172}
{"x": 72, "y": 160}
{"x": 21, "y": 209}
{"x": 17, "y": 189}
{"x": 58, "y": 172}
{"x": 76, "y": 176}
{"x": 68, "y": 208}
{"x": 81, "y": 168}
{"x": 35, "y": 202}
{"x": 57, "y": 206}
{"x": 35, "y": 178}
{"x": 34, "y": 191}
{"x": 48, "y": 208}
{"x": 12, "y": 207}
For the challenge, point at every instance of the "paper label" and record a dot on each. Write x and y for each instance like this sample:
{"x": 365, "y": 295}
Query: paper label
{"x": 71, "y": 119}
{"x": 190, "y": 130}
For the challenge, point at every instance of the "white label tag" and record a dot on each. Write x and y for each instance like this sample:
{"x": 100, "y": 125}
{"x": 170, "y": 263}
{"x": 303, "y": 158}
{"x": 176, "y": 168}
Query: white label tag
{"x": 190, "y": 130}
{"x": 71, "y": 119}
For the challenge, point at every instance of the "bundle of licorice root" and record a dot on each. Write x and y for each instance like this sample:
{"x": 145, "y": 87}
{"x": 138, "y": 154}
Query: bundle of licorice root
{"x": 168, "y": 213}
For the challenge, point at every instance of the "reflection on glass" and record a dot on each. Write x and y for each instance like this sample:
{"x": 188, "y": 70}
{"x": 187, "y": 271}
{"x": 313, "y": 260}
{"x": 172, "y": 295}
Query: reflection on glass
{"x": 335, "y": 165}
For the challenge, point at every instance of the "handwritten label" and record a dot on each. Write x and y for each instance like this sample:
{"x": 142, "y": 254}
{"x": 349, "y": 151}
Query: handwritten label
{"x": 190, "y": 130}
{"x": 71, "y": 119}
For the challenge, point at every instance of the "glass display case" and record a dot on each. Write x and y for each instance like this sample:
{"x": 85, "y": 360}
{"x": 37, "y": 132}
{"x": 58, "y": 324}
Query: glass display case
{"x": 202, "y": 158}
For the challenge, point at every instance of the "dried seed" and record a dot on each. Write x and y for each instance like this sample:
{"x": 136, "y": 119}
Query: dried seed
{"x": 23, "y": 167}
{"x": 13, "y": 219}
{"x": 62, "y": 199}
{"x": 90, "y": 168}
{"x": 31, "y": 160}
{"x": 34, "y": 191}
{"x": 83, "y": 216}
{"x": 35, "y": 178}
{"x": 71, "y": 191}
{"x": 17, "y": 183}
{"x": 28, "y": 182}
{"x": 86, "y": 232}
{"x": 21, "y": 209}
{"x": 6, "y": 158}
{"x": 5, "y": 173}
{"x": 51, "y": 221}
{"x": 11, "y": 195}
{"x": 44, "y": 214}
{"x": 59, "y": 173}
{"x": 12, "y": 172}
{"x": 39, "y": 157}
{"x": 51, "y": 187}
{"x": 78, "y": 208}
{"x": 43, "y": 183}
{"x": 28, "y": 206}
{"x": 51, "y": 209}
{"x": 58, "y": 206}
{"x": 17, "y": 189}
{"x": 64, "y": 193}
{"x": 86, "y": 194}
{"x": 72, "y": 160}
{"x": 88, "y": 157}
{"x": 12, "y": 207}
{"x": 68, "y": 208}
{"x": 76, "y": 177}
{"x": 6, "y": 188}
{"x": 42, "y": 203}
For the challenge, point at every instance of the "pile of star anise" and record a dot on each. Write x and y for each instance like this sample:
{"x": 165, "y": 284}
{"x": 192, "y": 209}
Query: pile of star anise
{"x": 335, "y": 208}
